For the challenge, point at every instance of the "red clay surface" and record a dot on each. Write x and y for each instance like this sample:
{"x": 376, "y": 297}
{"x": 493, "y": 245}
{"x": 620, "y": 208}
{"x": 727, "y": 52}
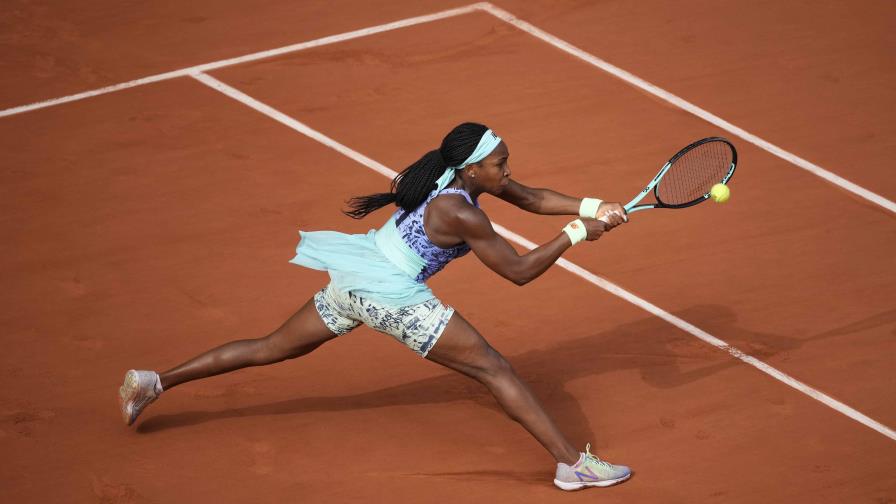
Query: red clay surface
{"x": 145, "y": 226}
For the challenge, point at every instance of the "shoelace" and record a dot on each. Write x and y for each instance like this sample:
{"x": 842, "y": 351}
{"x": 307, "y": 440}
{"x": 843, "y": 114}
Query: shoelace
{"x": 594, "y": 458}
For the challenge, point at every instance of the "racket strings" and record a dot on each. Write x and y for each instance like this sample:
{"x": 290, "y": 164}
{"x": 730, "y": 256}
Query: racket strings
{"x": 693, "y": 174}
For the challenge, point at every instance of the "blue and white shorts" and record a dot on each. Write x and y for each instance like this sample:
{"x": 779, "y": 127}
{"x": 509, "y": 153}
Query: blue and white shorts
{"x": 417, "y": 326}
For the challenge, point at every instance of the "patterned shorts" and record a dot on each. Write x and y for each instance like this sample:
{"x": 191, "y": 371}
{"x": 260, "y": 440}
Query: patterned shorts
{"x": 417, "y": 326}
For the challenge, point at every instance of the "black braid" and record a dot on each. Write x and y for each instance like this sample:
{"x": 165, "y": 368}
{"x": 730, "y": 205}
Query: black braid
{"x": 411, "y": 187}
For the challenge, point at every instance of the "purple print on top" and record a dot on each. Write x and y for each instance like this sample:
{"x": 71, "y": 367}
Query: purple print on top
{"x": 410, "y": 227}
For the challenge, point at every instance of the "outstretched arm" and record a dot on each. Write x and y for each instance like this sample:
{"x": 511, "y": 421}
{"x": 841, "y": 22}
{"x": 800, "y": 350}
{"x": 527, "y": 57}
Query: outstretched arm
{"x": 549, "y": 202}
{"x": 472, "y": 226}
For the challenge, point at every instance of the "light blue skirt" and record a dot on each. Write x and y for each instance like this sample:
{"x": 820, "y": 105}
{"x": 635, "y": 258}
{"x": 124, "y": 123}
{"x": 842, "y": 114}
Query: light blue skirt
{"x": 356, "y": 264}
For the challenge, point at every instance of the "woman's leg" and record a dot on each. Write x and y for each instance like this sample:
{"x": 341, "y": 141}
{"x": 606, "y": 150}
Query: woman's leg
{"x": 299, "y": 335}
{"x": 463, "y": 349}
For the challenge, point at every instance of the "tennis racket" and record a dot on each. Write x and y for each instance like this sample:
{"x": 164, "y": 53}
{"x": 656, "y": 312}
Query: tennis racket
{"x": 688, "y": 177}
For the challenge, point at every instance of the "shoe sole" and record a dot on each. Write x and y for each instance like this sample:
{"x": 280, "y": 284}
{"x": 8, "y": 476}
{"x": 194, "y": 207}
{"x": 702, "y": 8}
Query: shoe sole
{"x": 578, "y": 485}
{"x": 126, "y": 395}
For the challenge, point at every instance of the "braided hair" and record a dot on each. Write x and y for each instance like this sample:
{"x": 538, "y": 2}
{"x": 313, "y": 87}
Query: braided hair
{"x": 411, "y": 187}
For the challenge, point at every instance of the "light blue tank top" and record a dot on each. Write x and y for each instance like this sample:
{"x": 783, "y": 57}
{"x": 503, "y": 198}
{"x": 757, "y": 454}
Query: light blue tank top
{"x": 388, "y": 265}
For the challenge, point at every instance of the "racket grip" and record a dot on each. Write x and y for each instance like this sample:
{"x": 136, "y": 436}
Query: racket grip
{"x": 605, "y": 221}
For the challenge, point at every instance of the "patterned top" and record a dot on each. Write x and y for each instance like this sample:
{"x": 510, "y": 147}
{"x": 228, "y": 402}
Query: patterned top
{"x": 410, "y": 227}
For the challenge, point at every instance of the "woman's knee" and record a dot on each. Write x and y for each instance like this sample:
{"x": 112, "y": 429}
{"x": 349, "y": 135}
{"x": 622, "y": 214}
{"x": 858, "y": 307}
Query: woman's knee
{"x": 279, "y": 346}
{"x": 463, "y": 349}
{"x": 299, "y": 335}
{"x": 491, "y": 365}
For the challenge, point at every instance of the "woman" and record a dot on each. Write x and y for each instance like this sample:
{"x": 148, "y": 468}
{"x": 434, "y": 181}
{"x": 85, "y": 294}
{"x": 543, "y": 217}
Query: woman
{"x": 378, "y": 279}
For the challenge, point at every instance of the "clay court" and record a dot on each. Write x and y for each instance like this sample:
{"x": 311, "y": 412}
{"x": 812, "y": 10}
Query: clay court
{"x": 158, "y": 163}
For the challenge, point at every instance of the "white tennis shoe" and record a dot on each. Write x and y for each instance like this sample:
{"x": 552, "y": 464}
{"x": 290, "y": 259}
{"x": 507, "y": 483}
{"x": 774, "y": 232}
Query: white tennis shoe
{"x": 139, "y": 390}
{"x": 590, "y": 471}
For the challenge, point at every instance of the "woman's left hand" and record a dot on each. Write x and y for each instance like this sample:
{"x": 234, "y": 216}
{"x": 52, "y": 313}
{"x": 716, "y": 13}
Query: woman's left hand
{"x": 611, "y": 213}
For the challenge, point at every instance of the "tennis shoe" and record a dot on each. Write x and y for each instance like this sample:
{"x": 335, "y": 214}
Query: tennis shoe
{"x": 139, "y": 390}
{"x": 590, "y": 471}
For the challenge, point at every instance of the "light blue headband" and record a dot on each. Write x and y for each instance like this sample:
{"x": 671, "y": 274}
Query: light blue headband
{"x": 486, "y": 145}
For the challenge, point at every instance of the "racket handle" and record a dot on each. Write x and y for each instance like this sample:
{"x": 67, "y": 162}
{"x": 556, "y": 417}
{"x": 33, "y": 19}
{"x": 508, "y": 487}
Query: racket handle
{"x": 605, "y": 221}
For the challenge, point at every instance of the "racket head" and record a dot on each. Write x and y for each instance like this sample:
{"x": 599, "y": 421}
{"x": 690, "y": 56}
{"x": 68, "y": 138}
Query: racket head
{"x": 693, "y": 171}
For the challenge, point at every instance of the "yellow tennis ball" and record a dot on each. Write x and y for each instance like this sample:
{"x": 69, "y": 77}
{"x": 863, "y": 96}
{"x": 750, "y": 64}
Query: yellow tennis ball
{"x": 720, "y": 193}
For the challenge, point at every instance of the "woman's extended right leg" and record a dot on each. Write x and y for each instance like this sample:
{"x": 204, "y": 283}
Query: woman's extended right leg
{"x": 463, "y": 349}
{"x": 299, "y": 335}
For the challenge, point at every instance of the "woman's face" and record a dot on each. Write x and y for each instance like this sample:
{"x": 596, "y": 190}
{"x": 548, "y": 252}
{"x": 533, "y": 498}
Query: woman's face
{"x": 493, "y": 172}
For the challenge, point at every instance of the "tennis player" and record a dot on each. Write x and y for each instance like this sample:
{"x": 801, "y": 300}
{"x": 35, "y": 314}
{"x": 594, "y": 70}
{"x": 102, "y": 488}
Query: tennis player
{"x": 379, "y": 279}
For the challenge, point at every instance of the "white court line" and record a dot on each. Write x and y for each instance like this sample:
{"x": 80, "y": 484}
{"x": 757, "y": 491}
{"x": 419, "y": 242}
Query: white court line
{"x": 522, "y": 25}
{"x": 183, "y": 72}
{"x": 563, "y": 263}
{"x": 688, "y": 106}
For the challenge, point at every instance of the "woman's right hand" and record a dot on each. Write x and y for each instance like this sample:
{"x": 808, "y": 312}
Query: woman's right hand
{"x": 596, "y": 228}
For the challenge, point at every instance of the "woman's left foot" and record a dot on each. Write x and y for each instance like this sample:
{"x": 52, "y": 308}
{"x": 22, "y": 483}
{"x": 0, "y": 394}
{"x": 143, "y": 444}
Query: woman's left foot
{"x": 590, "y": 471}
{"x": 139, "y": 390}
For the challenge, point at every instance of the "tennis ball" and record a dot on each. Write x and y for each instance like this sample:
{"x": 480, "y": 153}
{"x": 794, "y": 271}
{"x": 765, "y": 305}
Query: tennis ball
{"x": 720, "y": 193}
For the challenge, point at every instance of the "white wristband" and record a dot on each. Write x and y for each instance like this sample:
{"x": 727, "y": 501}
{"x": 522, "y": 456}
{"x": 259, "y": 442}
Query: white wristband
{"x": 576, "y": 231}
{"x": 589, "y": 207}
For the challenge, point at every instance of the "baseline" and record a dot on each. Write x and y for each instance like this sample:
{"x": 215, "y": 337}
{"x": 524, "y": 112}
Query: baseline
{"x": 563, "y": 263}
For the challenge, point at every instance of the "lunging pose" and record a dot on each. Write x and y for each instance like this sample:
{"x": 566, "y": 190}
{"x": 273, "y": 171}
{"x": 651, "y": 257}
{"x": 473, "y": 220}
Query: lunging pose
{"x": 379, "y": 279}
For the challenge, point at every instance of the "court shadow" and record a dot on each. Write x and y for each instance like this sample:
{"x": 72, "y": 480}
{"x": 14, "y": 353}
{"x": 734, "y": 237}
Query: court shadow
{"x": 664, "y": 356}
{"x": 515, "y": 477}
{"x": 880, "y": 319}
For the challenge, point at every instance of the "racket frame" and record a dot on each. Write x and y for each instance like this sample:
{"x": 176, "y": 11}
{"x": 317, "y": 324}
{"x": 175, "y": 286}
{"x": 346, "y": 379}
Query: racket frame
{"x": 633, "y": 206}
